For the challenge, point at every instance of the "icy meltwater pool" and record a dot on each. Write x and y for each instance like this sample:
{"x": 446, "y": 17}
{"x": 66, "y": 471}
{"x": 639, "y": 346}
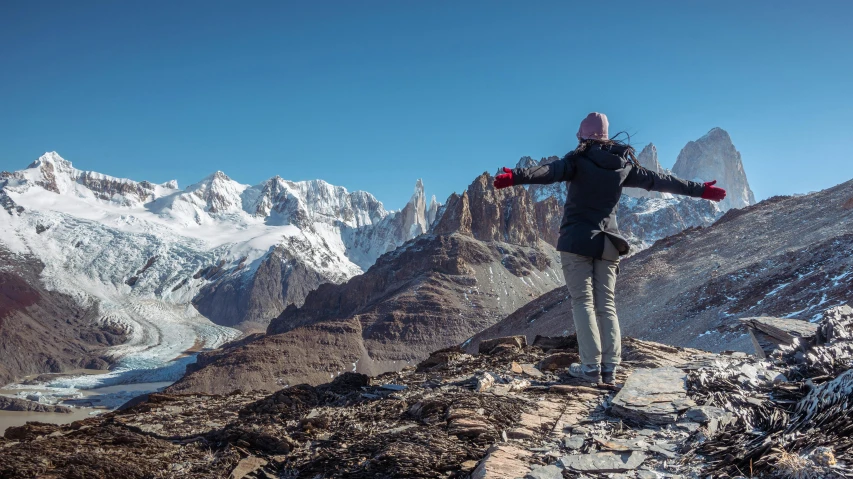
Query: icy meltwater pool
{"x": 17, "y": 418}
{"x": 164, "y": 340}
{"x": 84, "y": 403}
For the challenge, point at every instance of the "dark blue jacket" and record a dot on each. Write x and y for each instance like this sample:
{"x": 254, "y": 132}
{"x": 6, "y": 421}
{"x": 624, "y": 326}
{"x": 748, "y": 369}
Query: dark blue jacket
{"x": 596, "y": 177}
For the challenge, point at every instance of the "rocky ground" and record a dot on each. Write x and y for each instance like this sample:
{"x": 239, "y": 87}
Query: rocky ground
{"x": 509, "y": 411}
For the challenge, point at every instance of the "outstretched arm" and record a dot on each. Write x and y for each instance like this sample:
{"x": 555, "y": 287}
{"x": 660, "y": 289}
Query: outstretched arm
{"x": 648, "y": 180}
{"x": 560, "y": 170}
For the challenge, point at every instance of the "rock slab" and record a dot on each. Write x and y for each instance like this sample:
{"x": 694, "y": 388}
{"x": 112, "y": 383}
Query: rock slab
{"x": 247, "y": 466}
{"x": 503, "y": 462}
{"x": 653, "y": 396}
{"x": 714, "y": 418}
{"x": 604, "y": 462}
{"x": 491, "y": 346}
{"x": 545, "y": 472}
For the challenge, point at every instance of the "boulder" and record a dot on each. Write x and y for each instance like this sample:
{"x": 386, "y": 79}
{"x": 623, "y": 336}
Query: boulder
{"x": 713, "y": 417}
{"x": 768, "y": 333}
{"x": 545, "y": 472}
{"x": 603, "y": 462}
{"x": 442, "y": 358}
{"x": 653, "y": 396}
{"x": 486, "y": 381}
{"x": 494, "y": 346}
{"x": 531, "y": 370}
{"x": 573, "y": 442}
{"x": 557, "y": 361}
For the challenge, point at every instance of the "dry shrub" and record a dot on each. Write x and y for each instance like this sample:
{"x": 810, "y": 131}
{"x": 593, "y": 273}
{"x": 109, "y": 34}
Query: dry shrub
{"x": 793, "y": 466}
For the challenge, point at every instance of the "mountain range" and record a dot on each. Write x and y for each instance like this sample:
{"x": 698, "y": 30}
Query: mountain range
{"x": 165, "y": 270}
{"x": 489, "y": 253}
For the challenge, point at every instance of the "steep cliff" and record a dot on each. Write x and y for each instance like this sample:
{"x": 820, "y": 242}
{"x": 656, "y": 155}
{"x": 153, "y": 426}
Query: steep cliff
{"x": 714, "y": 157}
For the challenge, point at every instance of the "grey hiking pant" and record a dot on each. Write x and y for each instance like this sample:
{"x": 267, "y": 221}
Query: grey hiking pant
{"x": 592, "y": 285}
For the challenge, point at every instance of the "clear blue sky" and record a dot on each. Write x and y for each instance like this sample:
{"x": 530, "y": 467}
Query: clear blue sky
{"x": 373, "y": 95}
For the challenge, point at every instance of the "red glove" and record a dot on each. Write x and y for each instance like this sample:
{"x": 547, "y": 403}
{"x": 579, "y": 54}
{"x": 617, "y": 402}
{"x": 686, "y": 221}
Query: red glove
{"x": 712, "y": 192}
{"x": 504, "y": 180}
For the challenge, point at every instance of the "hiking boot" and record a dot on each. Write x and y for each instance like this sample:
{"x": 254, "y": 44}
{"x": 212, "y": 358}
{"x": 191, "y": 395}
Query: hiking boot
{"x": 607, "y": 374}
{"x": 591, "y": 374}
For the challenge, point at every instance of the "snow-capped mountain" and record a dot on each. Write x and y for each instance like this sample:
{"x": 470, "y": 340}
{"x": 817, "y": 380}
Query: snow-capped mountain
{"x": 172, "y": 270}
{"x": 262, "y": 246}
{"x": 714, "y": 157}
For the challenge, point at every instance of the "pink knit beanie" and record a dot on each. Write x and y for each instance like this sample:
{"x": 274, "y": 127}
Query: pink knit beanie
{"x": 594, "y": 127}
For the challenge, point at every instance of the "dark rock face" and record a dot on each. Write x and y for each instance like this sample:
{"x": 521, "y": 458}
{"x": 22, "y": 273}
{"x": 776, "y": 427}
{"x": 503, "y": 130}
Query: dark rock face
{"x": 549, "y": 214}
{"x": 249, "y": 299}
{"x": 9, "y": 204}
{"x": 107, "y": 189}
{"x": 488, "y": 214}
{"x": 785, "y": 256}
{"x": 44, "y": 331}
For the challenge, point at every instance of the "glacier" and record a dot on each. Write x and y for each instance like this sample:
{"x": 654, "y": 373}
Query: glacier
{"x": 140, "y": 253}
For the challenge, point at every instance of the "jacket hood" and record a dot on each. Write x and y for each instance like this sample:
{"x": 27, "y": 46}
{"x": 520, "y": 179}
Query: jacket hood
{"x": 609, "y": 157}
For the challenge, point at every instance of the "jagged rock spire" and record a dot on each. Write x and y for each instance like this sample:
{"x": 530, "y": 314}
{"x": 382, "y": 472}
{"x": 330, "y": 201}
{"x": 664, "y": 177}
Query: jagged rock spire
{"x": 648, "y": 158}
{"x": 714, "y": 157}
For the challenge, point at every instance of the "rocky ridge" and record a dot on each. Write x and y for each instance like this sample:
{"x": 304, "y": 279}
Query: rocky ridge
{"x": 783, "y": 257}
{"x": 508, "y": 411}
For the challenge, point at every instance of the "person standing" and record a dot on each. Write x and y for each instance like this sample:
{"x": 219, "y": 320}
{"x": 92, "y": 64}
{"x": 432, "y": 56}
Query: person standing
{"x": 590, "y": 244}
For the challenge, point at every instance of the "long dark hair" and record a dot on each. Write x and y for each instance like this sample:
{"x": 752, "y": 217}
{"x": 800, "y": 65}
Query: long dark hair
{"x": 628, "y": 151}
